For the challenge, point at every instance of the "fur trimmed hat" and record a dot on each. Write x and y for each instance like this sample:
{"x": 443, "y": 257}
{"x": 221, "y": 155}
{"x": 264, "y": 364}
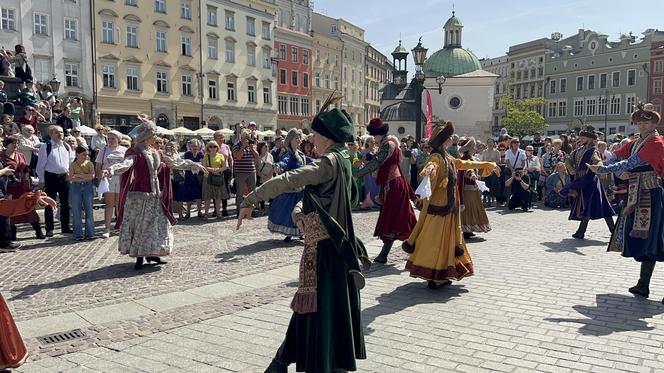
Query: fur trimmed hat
{"x": 377, "y": 127}
{"x": 645, "y": 112}
{"x": 440, "y": 133}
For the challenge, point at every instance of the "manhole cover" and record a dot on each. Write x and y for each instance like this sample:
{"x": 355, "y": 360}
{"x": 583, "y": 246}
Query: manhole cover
{"x": 61, "y": 337}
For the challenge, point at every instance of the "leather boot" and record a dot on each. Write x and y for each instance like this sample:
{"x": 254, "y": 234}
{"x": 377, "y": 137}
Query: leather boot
{"x": 581, "y": 232}
{"x": 276, "y": 367}
{"x": 642, "y": 287}
{"x": 610, "y": 223}
{"x": 13, "y": 229}
{"x": 384, "y": 252}
{"x": 39, "y": 234}
{"x": 139, "y": 263}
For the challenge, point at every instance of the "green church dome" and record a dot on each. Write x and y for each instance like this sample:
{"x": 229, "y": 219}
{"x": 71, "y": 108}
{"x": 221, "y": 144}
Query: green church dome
{"x": 451, "y": 62}
{"x": 454, "y": 21}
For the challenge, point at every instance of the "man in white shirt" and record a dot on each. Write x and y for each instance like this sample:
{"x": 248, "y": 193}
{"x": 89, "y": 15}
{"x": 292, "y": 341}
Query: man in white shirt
{"x": 53, "y": 170}
{"x": 514, "y": 156}
{"x": 533, "y": 167}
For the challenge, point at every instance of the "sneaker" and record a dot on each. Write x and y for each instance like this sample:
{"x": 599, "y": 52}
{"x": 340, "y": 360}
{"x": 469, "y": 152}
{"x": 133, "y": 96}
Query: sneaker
{"x": 78, "y": 238}
{"x": 13, "y": 246}
{"x": 106, "y": 234}
{"x": 49, "y": 233}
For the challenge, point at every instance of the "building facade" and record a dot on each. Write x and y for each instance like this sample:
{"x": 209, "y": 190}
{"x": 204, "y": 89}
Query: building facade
{"x": 238, "y": 62}
{"x": 595, "y": 81}
{"x": 377, "y": 73}
{"x": 147, "y": 60}
{"x": 326, "y": 66}
{"x": 501, "y": 67}
{"x": 526, "y": 69}
{"x": 57, "y": 40}
{"x": 293, "y": 45}
{"x": 656, "y": 92}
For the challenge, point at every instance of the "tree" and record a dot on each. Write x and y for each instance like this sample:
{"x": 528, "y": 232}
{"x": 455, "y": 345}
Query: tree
{"x": 521, "y": 116}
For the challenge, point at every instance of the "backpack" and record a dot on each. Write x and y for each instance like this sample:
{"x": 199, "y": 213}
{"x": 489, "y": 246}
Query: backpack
{"x": 49, "y": 147}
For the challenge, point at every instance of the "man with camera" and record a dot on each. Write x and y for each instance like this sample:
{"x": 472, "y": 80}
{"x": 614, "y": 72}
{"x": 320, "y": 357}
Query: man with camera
{"x": 244, "y": 166}
{"x": 520, "y": 186}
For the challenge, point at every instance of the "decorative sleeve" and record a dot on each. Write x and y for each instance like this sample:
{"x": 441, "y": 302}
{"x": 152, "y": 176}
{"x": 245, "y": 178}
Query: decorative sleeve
{"x": 385, "y": 151}
{"x": 485, "y": 167}
{"x": 123, "y": 166}
{"x": 438, "y": 175}
{"x": 319, "y": 172}
{"x": 178, "y": 163}
{"x": 617, "y": 168}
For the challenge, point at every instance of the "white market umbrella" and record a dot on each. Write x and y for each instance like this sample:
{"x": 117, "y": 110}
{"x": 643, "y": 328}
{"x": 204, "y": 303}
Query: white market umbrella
{"x": 204, "y": 131}
{"x": 164, "y": 131}
{"x": 183, "y": 131}
{"x": 227, "y": 131}
{"x": 86, "y": 131}
{"x": 269, "y": 133}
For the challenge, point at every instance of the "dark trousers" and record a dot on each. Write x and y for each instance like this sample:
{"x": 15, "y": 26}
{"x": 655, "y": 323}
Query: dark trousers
{"x": 5, "y": 232}
{"x": 57, "y": 186}
{"x": 647, "y": 269}
{"x": 584, "y": 225}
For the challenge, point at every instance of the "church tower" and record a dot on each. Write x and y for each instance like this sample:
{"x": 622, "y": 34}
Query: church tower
{"x": 400, "y": 73}
{"x": 453, "y": 30}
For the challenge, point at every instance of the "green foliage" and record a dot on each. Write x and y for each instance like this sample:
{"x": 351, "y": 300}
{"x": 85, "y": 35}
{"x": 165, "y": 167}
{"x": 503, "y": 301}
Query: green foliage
{"x": 521, "y": 116}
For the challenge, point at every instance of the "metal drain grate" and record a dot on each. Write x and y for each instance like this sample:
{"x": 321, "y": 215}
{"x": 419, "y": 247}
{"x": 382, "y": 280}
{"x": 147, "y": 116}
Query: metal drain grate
{"x": 61, "y": 337}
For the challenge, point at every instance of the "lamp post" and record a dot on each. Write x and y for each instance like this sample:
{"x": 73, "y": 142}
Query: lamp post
{"x": 419, "y": 56}
{"x": 606, "y": 111}
{"x": 55, "y": 84}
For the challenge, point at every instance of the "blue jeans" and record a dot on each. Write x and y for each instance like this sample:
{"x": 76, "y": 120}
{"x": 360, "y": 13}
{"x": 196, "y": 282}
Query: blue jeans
{"x": 80, "y": 198}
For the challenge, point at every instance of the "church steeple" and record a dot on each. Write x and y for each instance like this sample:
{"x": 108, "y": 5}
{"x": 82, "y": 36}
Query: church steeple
{"x": 400, "y": 72}
{"x": 453, "y": 32}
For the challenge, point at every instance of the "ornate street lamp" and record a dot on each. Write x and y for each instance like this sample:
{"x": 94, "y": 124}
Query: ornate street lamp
{"x": 55, "y": 84}
{"x": 419, "y": 53}
{"x": 440, "y": 80}
{"x": 419, "y": 56}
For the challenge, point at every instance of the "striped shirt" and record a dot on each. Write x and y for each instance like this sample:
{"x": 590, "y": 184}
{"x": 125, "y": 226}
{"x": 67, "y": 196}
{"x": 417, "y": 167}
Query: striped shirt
{"x": 246, "y": 164}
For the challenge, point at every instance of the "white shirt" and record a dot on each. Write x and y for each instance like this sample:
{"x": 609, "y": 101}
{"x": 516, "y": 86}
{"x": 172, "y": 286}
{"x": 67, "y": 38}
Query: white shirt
{"x": 57, "y": 162}
{"x": 532, "y": 163}
{"x": 515, "y": 160}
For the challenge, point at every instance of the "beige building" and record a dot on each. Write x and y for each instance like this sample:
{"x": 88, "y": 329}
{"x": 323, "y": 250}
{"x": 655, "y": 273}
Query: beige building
{"x": 146, "y": 61}
{"x": 501, "y": 67}
{"x": 352, "y": 59}
{"x": 377, "y": 74}
{"x": 237, "y": 67}
{"x": 326, "y": 68}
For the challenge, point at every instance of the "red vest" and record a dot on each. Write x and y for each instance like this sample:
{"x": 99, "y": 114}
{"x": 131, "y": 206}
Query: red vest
{"x": 389, "y": 169}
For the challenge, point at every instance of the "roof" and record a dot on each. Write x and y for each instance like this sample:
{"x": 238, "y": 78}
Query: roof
{"x": 451, "y": 62}
{"x": 454, "y": 21}
{"x": 395, "y": 92}
{"x": 400, "y": 49}
{"x": 401, "y": 112}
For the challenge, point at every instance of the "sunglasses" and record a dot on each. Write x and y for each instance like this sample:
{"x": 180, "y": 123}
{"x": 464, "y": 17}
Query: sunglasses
{"x": 212, "y": 147}
{"x": 159, "y": 143}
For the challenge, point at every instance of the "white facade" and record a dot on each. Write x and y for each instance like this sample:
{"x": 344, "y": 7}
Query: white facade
{"x": 39, "y": 25}
{"x": 501, "y": 67}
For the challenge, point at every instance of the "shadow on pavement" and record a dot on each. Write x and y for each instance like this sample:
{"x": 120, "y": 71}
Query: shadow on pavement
{"x": 571, "y": 245}
{"x": 614, "y": 313}
{"x": 406, "y": 296}
{"x": 120, "y": 270}
{"x": 256, "y": 247}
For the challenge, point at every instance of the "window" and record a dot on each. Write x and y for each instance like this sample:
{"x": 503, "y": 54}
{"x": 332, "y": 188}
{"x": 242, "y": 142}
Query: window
{"x": 185, "y": 9}
{"x": 132, "y": 78}
{"x": 251, "y": 93}
{"x": 327, "y": 81}
{"x": 294, "y": 54}
{"x": 186, "y": 45}
{"x": 8, "y": 19}
{"x": 591, "y": 106}
{"x": 213, "y": 45}
{"x": 230, "y": 91}
{"x": 659, "y": 64}
{"x": 317, "y": 80}
{"x": 525, "y": 75}
{"x": 162, "y": 82}
{"x": 130, "y": 2}
{"x": 71, "y": 29}
{"x": 41, "y": 24}
{"x": 518, "y": 75}
{"x": 615, "y": 79}
{"x": 212, "y": 15}
{"x": 283, "y": 104}
{"x": 230, "y": 50}
{"x": 230, "y": 20}
{"x": 42, "y": 70}
{"x": 518, "y": 92}
{"x": 615, "y": 105}
{"x": 591, "y": 81}
{"x": 265, "y": 30}
{"x": 579, "y": 83}
{"x": 631, "y": 101}
{"x": 282, "y": 52}
{"x": 553, "y": 87}
{"x": 267, "y": 95}
{"x": 333, "y": 29}
{"x": 108, "y": 76}
{"x": 631, "y": 77}
{"x": 267, "y": 60}
{"x": 305, "y": 57}
{"x": 282, "y": 76}
{"x": 294, "y": 106}
{"x": 562, "y": 108}
{"x": 578, "y": 107}
{"x": 305, "y": 80}
{"x": 251, "y": 26}
{"x": 657, "y": 86}
{"x": 132, "y": 36}
{"x": 294, "y": 78}
{"x": 160, "y": 6}
{"x": 336, "y": 82}
{"x": 107, "y": 32}
{"x": 318, "y": 105}
{"x": 212, "y": 89}
{"x": 187, "y": 85}
{"x": 251, "y": 55}
{"x": 552, "y": 109}
{"x": 304, "y": 105}
{"x": 602, "y": 106}
{"x": 563, "y": 85}
{"x": 327, "y": 58}
{"x": 71, "y": 74}
{"x": 602, "y": 81}
{"x": 317, "y": 55}
{"x": 161, "y": 41}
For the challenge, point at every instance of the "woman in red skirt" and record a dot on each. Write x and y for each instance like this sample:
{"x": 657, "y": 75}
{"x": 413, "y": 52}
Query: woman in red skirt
{"x": 397, "y": 218}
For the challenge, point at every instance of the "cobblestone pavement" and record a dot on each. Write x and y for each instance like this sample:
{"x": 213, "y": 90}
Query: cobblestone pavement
{"x": 539, "y": 301}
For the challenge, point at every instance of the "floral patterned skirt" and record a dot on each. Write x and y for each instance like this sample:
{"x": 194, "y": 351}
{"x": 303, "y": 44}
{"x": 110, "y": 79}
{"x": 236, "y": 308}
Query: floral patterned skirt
{"x": 145, "y": 230}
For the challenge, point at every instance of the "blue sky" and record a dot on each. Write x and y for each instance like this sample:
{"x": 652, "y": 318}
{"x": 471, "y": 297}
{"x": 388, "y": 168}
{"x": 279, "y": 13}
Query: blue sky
{"x": 491, "y": 27}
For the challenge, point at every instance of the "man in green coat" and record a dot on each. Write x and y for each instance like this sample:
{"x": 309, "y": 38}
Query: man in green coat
{"x": 325, "y": 333}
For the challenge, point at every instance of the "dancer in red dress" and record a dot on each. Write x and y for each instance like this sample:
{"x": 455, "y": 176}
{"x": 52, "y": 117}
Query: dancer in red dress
{"x": 397, "y": 218}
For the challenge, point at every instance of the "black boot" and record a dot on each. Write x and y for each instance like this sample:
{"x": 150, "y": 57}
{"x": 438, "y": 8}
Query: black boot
{"x": 610, "y": 223}
{"x": 384, "y": 252}
{"x": 156, "y": 260}
{"x": 288, "y": 239}
{"x": 468, "y": 235}
{"x": 276, "y": 367}
{"x": 224, "y": 207}
{"x": 581, "y": 232}
{"x": 139, "y": 263}
{"x": 642, "y": 287}
{"x": 39, "y": 234}
{"x": 13, "y": 229}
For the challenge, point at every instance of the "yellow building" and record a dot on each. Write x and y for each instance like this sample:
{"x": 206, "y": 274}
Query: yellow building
{"x": 147, "y": 59}
{"x": 326, "y": 68}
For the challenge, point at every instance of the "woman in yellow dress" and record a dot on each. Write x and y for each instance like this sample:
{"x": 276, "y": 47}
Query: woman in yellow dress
{"x": 438, "y": 251}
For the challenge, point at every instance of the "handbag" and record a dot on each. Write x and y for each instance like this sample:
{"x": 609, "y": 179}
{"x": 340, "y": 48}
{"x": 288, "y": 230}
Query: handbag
{"x": 212, "y": 179}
